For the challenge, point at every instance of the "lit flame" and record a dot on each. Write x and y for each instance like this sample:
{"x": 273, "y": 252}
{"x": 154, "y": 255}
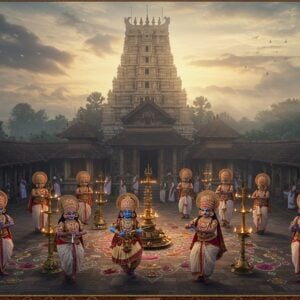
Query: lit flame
{"x": 234, "y": 229}
{"x": 42, "y": 211}
{"x": 250, "y": 230}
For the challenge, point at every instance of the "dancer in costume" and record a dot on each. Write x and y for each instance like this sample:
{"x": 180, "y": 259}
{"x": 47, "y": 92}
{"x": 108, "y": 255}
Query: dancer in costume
{"x": 208, "y": 243}
{"x": 69, "y": 238}
{"x": 261, "y": 206}
{"x": 225, "y": 192}
{"x": 6, "y": 243}
{"x": 185, "y": 188}
{"x": 126, "y": 244}
{"x": 85, "y": 195}
{"x": 38, "y": 201}
{"x": 295, "y": 245}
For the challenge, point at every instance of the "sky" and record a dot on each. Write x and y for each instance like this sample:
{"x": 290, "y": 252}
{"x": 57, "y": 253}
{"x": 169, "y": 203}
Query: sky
{"x": 243, "y": 57}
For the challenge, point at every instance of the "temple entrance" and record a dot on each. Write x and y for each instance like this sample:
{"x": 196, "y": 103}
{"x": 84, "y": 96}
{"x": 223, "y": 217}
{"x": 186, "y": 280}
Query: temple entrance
{"x": 149, "y": 157}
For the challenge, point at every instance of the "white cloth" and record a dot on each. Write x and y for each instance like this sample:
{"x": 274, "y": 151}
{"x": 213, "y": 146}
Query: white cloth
{"x": 292, "y": 198}
{"x": 185, "y": 205}
{"x": 23, "y": 191}
{"x": 203, "y": 258}
{"x": 65, "y": 253}
{"x": 107, "y": 186}
{"x": 56, "y": 188}
{"x": 172, "y": 192}
{"x": 122, "y": 189}
{"x": 260, "y": 217}
{"x": 7, "y": 250}
{"x": 226, "y": 210}
{"x": 162, "y": 192}
{"x": 84, "y": 212}
{"x": 295, "y": 247}
{"x": 39, "y": 218}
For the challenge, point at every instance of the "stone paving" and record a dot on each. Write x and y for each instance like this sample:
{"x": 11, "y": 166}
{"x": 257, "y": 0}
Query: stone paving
{"x": 162, "y": 272}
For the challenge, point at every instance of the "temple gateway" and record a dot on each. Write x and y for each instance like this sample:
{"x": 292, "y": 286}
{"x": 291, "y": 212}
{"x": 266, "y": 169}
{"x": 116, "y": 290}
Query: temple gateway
{"x": 146, "y": 121}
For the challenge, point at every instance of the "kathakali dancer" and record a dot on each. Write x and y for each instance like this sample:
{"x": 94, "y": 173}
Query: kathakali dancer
{"x": 261, "y": 205}
{"x": 208, "y": 243}
{"x": 126, "y": 244}
{"x": 69, "y": 238}
{"x": 85, "y": 195}
{"x": 6, "y": 243}
{"x": 225, "y": 192}
{"x": 185, "y": 188}
{"x": 295, "y": 245}
{"x": 38, "y": 200}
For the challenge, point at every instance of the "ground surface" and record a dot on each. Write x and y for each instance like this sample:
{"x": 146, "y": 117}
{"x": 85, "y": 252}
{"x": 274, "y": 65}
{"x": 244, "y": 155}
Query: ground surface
{"x": 162, "y": 272}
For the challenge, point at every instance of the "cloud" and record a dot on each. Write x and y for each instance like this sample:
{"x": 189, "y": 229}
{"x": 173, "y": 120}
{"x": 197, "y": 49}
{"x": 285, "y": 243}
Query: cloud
{"x": 250, "y": 63}
{"x": 21, "y": 49}
{"x": 102, "y": 44}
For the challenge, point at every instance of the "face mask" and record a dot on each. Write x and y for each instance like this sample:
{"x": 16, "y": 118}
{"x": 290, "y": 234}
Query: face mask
{"x": 127, "y": 213}
{"x": 205, "y": 212}
{"x": 70, "y": 216}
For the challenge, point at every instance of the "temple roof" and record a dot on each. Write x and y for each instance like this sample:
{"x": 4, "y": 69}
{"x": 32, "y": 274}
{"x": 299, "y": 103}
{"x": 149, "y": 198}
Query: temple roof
{"x": 217, "y": 129}
{"x": 148, "y": 137}
{"x": 148, "y": 114}
{"x": 80, "y": 131}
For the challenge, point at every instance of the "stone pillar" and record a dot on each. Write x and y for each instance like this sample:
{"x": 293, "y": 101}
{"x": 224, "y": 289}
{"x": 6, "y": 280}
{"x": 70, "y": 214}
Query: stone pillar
{"x": 121, "y": 162}
{"x": 89, "y": 167}
{"x": 174, "y": 163}
{"x": 161, "y": 165}
{"x": 134, "y": 162}
{"x": 67, "y": 169}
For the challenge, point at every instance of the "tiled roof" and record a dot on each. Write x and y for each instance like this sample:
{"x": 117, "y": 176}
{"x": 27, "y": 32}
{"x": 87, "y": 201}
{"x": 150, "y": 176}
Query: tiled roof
{"x": 80, "y": 131}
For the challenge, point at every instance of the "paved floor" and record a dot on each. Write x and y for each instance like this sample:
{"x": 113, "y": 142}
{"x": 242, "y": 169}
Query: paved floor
{"x": 162, "y": 272}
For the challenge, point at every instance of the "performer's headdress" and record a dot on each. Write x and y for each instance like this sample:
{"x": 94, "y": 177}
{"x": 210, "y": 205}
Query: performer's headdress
{"x": 185, "y": 173}
{"x": 39, "y": 177}
{"x": 69, "y": 203}
{"x": 262, "y": 179}
{"x": 3, "y": 199}
{"x": 83, "y": 176}
{"x": 207, "y": 199}
{"x": 225, "y": 175}
{"x": 127, "y": 201}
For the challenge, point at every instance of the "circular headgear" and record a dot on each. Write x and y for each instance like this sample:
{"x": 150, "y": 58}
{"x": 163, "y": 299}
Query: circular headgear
{"x": 262, "y": 179}
{"x": 83, "y": 176}
{"x": 207, "y": 199}
{"x": 69, "y": 203}
{"x": 3, "y": 199}
{"x": 127, "y": 201}
{"x": 225, "y": 175}
{"x": 185, "y": 174}
{"x": 39, "y": 177}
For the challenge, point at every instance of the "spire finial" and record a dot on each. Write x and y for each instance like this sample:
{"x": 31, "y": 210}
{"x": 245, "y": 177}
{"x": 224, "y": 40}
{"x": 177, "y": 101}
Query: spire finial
{"x": 141, "y": 21}
{"x": 158, "y": 21}
{"x": 153, "y": 21}
{"x": 135, "y": 22}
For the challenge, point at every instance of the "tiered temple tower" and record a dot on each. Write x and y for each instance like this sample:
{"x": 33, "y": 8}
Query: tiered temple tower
{"x": 146, "y": 73}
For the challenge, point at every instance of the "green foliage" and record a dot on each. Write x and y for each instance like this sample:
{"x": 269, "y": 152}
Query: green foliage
{"x": 201, "y": 112}
{"x": 26, "y": 123}
{"x": 2, "y": 132}
{"x": 92, "y": 112}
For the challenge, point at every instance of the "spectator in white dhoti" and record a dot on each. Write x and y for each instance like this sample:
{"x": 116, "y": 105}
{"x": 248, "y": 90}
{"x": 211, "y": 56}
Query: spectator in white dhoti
{"x": 172, "y": 190}
{"x": 292, "y": 197}
{"x": 135, "y": 185}
{"x": 162, "y": 192}
{"x": 107, "y": 185}
{"x": 23, "y": 190}
{"x": 122, "y": 188}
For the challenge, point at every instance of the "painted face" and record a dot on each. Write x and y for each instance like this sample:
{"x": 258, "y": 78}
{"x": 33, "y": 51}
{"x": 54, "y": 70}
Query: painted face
{"x": 127, "y": 213}
{"x": 70, "y": 215}
{"x": 205, "y": 212}
{"x": 261, "y": 187}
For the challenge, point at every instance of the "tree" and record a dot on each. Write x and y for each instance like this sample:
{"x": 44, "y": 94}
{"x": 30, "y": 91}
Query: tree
{"x": 56, "y": 125}
{"x": 21, "y": 119}
{"x": 2, "y": 133}
{"x": 92, "y": 112}
{"x": 201, "y": 111}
